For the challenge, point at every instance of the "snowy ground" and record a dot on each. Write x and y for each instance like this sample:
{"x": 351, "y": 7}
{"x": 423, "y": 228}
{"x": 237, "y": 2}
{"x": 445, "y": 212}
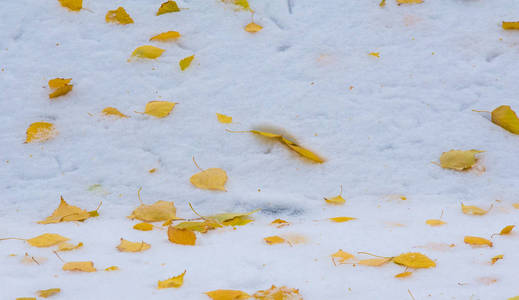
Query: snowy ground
{"x": 438, "y": 61}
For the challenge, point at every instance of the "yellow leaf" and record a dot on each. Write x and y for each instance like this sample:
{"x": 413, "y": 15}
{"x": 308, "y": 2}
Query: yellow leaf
{"x": 68, "y": 246}
{"x": 341, "y": 256}
{"x": 210, "y": 179}
{"x": 511, "y": 26}
{"x": 279, "y": 223}
{"x": 48, "y": 293}
{"x": 156, "y": 212}
{"x": 112, "y": 268}
{"x": 74, "y": 5}
{"x": 278, "y": 293}
{"x": 408, "y": 1}
{"x": 25, "y": 298}
{"x": 181, "y": 236}
{"x": 266, "y": 134}
{"x": 223, "y": 118}
{"x": 118, "y": 16}
{"x": 227, "y": 295}
{"x": 243, "y": 3}
{"x": 473, "y": 210}
{"x": 81, "y": 266}
{"x": 253, "y": 27}
{"x": 505, "y": 117}
{"x": 477, "y": 241}
{"x": 403, "y": 274}
{"x": 514, "y": 298}
{"x": 184, "y": 63}
{"x": 173, "y": 282}
{"x": 201, "y": 227}
{"x": 159, "y": 109}
{"x": 374, "y": 262}
{"x": 507, "y": 229}
{"x": 375, "y": 54}
{"x": 435, "y": 222}
{"x": 496, "y": 258}
{"x": 112, "y": 111}
{"x": 143, "y": 226}
{"x": 238, "y": 221}
{"x": 342, "y": 219}
{"x": 62, "y": 90}
{"x": 382, "y": 3}
{"x": 414, "y": 260}
{"x": 459, "y": 160}
{"x": 147, "y": 51}
{"x": 40, "y": 132}
{"x": 66, "y": 213}
{"x": 152, "y": 170}
{"x": 47, "y": 240}
{"x": 166, "y": 36}
{"x": 271, "y": 240}
{"x": 228, "y": 217}
{"x": 127, "y": 246}
{"x": 168, "y": 7}
{"x": 337, "y": 200}
{"x": 58, "y": 82}
{"x": 516, "y": 205}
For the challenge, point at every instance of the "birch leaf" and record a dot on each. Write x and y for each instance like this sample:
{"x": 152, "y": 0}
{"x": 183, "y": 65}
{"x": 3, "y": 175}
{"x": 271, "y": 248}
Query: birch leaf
{"x": 516, "y": 205}
{"x": 477, "y": 241}
{"x": 166, "y": 36}
{"x": 181, "y": 236}
{"x": 75, "y": 5}
{"x": 473, "y": 210}
{"x": 156, "y": 212}
{"x": 342, "y": 219}
{"x": 435, "y": 222}
{"x": 399, "y": 2}
{"x": 507, "y": 230}
{"x": 118, "y": 16}
{"x": 61, "y": 87}
{"x": 341, "y": 256}
{"x": 459, "y": 160}
{"x": 112, "y": 268}
{"x": 46, "y": 240}
{"x": 147, "y": 51}
{"x": 49, "y": 292}
{"x": 127, "y": 246}
{"x": 66, "y": 213}
{"x": 168, "y": 7}
{"x": 173, "y": 282}
{"x": 112, "y": 111}
{"x": 337, "y": 200}
{"x": 201, "y": 227}
{"x": 40, "y": 132}
{"x": 227, "y": 295}
{"x": 253, "y": 27}
{"x": 81, "y": 266}
{"x": 374, "y": 262}
{"x": 143, "y": 226}
{"x": 271, "y": 240}
{"x": 278, "y": 293}
{"x": 243, "y": 4}
{"x": 505, "y": 117}
{"x": 382, "y": 3}
{"x": 279, "y": 223}
{"x": 292, "y": 145}
{"x": 184, "y": 63}
{"x": 59, "y": 82}
{"x": 403, "y": 274}
{"x": 496, "y": 258}
{"x": 510, "y": 26}
{"x": 210, "y": 179}
{"x": 414, "y": 260}
{"x": 159, "y": 109}
{"x": 68, "y": 246}
{"x": 228, "y": 217}
{"x": 223, "y": 118}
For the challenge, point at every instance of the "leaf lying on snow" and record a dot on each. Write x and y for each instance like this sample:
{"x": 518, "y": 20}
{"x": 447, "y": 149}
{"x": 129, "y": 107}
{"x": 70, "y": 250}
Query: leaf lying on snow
{"x": 61, "y": 87}
{"x": 279, "y": 223}
{"x": 201, "y": 227}
{"x": 253, "y": 27}
{"x": 477, "y": 241}
{"x": 459, "y": 160}
{"x": 112, "y": 268}
{"x": 473, "y": 210}
{"x": 403, "y": 274}
{"x": 184, "y": 63}
{"x": 75, "y": 5}
{"x": 278, "y": 293}
{"x": 435, "y": 222}
{"x": 232, "y": 219}
{"x": 271, "y": 240}
{"x": 181, "y": 236}
{"x": 166, "y": 36}
{"x": 341, "y": 256}
{"x": 81, "y": 266}
{"x": 209, "y": 179}
{"x": 40, "y": 132}
{"x": 159, "y": 109}
{"x": 68, "y": 246}
{"x": 507, "y": 230}
{"x": 156, "y": 212}
{"x": 66, "y": 213}
{"x": 223, "y": 118}
{"x": 510, "y": 25}
{"x": 414, "y": 260}
{"x": 112, "y": 111}
{"x": 374, "y": 262}
{"x": 173, "y": 282}
{"x": 127, "y": 246}
{"x": 494, "y": 259}
{"x": 118, "y": 16}
{"x": 408, "y": 1}
{"x": 147, "y": 51}
{"x": 49, "y": 292}
{"x": 143, "y": 226}
{"x": 47, "y": 240}
{"x": 342, "y": 219}
{"x": 505, "y": 117}
{"x": 227, "y": 295}
{"x": 168, "y": 7}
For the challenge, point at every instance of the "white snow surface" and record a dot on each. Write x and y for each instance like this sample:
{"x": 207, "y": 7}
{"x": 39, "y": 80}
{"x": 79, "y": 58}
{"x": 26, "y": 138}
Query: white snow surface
{"x": 438, "y": 61}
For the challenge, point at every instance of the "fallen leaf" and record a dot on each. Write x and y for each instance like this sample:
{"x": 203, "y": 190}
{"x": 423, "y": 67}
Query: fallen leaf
{"x": 81, "y": 266}
{"x": 66, "y": 213}
{"x": 49, "y": 292}
{"x": 147, "y": 51}
{"x": 341, "y": 256}
{"x": 477, "y": 241}
{"x": 514, "y": 298}
{"x": 403, "y": 274}
{"x": 230, "y": 219}
{"x": 271, "y": 240}
{"x": 337, "y": 200}
{"x": 68, "y": 246}
{"x": 507, "y": 230}
{"x": 408, "y": 1}
{"x": 374, "y": 262}
{"x": 181, "y": 236}
{"x": 244, "y": 4}
{"x": 505, "y": 117}
{"x": 210, "y": 179}
{"x": 127, "y": 246}
{"x": 290, "y": 144}
{"x": 511, "y": 26}
{"x": 227, "y": 295}
{"x": 75, "y": 5}
{"x": 151, "y": 171}
{"x": 159, "y": 109}
{"x": 59, "y": 82}
{"x": 342, "y": 219}
{"x": 253, "y": 27}
{"x": 168, "y": 7}
{"x": 279, "y": 223}
{"x": 40, "y": 132}
{"x": 61, "y": 91}
{"x": 278, "y": 293}
{"x": 143, "y": 226}
{"x": 223, "y": 118}
{"x": 112, "y": 111}
{"x": 516, "y": 205}
{"x": 496, "y": 258}
{"x": 166, "y": 36}
{"x": 473, "y": 210}
{"x": 184, "y": 63}
{"x": 459, "y": 160}
{"x": 201, "y": 227}
{"x": 112, "y": 268}
{"x": 118, "y": 16}
{"x": 375, "y": 54}
{"x": 173, "y": 282}
{"x": 434, "y": 222}
{"x": 156, "y": 212}
{"x": 25, "y": 298}
{"x": 61, "y": 87}
{"x": 414, "y": 260}
{"x": 382, "y": 3}
{"x": 46, "y": 240}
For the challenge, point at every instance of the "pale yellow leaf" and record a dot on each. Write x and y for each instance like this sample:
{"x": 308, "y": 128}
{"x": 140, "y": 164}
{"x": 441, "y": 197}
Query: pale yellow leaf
{"x": 184, "y": 63}
{"x": 166, "y": 36}
{"x": 210, "y": 179}
{"x": 459, "y": 160}
{"x": 127, "y": 246}
{"x": 507, "y": 229}
{"x": 342, "y": 219}
{"x": 81, "y": 266}
{"x": 201, "y": 227}
{"x": 477, "y": 241}
{"x": 156, "y": 212}
{"x": 505, "y": 117}
{"x": 75, "y": 5}
{"x": 49, "y": 292}
{"x": 271, "y": 240}
{"x": 159, "y": 109}
{"x": 414, "y": 260}
{"x": 374, "y": 262}
{"x": 341, "y": 256}
{"x": 435, "y": 222}
{"x": 496, "y": 258}
{"x": 278, "y": 293}
{"x": 66, "y": 213}
{"x": 227, "y": 295}
{"x": 181, "y": 236}
{"x": 253, "y": 27}
{"x": 40, "y": 132}
{"x": 112, "y": 111}
{"x": 143, "y": 226}
{"x": 223, "y": 118}
{"x": 511, "y": 26}
{"x": 47, "y": 240}
{"x": 147, "y": 51}
{"x": 168, "y": 7}
{"x": 173, "y": 282}
{"x": 69, "y": 246}
{"x": 118, "y": 16}
{"x": 473, "y": 210}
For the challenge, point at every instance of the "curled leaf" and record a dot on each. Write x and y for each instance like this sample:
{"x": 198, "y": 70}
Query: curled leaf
{"x": 40, "y": 132}
{"x": 59, "y": 82}
{"x": 459, "y": 160}
{"x": 118, "y": 15}
{"x": 227, "y": 295}
{"x": 290, "y": 144}
{"x": 496, "y": 258}
{"x": 46, "y": 240}
{"x": 186, "y": 62}
{"x": 81, "y": 266}
{"x": 477, "y": 241}
{"x": 127, "y": 246}
{"x": 49, "y": 292}
{"x": 168, "y": 7}
{"x": 66, "y": 213}
{"x": 61, "y": 87}
{"x": 173, "y": 282}
{"x": 156, "y": 212}
{"x": 181, "y": 236}
{"x": 505, "y": 117}
{"x": 279, "y": 223}
{"x": 414, "y": 260}
{"x": 166, "y": 36}
{"x": 210, "y": 179}
{"x": 337, "y": 200}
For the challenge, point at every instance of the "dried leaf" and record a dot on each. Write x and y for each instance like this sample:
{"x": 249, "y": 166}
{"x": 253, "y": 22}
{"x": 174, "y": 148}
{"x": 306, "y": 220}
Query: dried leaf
{"x": 496, "y": 258}
{"x": 49, "y": 292}
{"x": 173, "y": 282}
{"x": 184, "y": 63}
{"x": 414, "y": 260}
{"x": 342, "y": 219}
{"x": 201, "y": 227}
{"x": 59, "y": 82}
{"x": 271, "y": 240}
{"x": 279, "y": 223}
{"x": 403, "y": 274}
{"x": 143, "y": 226}
{"x": 337, "y": 200}
{"x": 228, "y": 218}
{"x": 505, "y": 117}
{"x": 511, "y": 26}
{"x": 159, "y": 109}
{"x": 75, "y": 5}
{"x": 181, "y": 236}
{"x": 243, "y": 4}
{"x": 477, "y": 241}
{"x": 112, "y": 111}
{"x": 63, "y": 90}
{"x": 227, "y": 295}
{"x": 40, "y": 132}
{"x": 374, "y": 262}
{"x": 127, "y": 246}
{"x": 292, "y": 145}
{"x": 341, "y": 256}
{"x": 375, "y": 54}
{"x": 435, "y": 222}
{"x": 81, "y": 266}
{"x": 156, "y": 212}
{"x": 459, "y": 160}
{"x": 119, "y": 16}
{"x": 25, "y": 298}
{"x": 223, "y": 118}
{"x": 382, "y": 3}
{"x": 253, "y": 27}
{"x": 68, "y": 246}
{"x": 112, "y": 268}
{"x": 168, "y": 7}
{"x": 47, "y": 240}
{"x": 147, "y": 51}
{"x": 473, "y": 210}
{"x": 66, "y": 213}
{"x": 399, "y": 2}
{"x": 507, "y": 230}
{"x": 166, "y": 36}
{"x": 278, "y": 293}
{"x": 210, "y": 179}
{"x": 60, "y": 86}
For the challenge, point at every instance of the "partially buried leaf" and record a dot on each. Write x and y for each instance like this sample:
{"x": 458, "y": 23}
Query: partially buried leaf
{"x": 505, "y": 117}
{"x": 127, "y": 246}
{"x": 223, "y": 118}
{"x": 341, "y": 256}
{"x": 112, "y": 268}
{"x": 66, "y": 213}
{"x": 181, "y": 236}
{"x": 112, "y": 111}
{"x": 434, "y": 222}
{"x": 210, "y": 179}
{"x": 74, "y": 5}
{"x": 49, "y": 292}
{"x": 40, "y": 132}
{"x": 168, "y": 7}
{"x": 278, "y": 293}
{"x": 227, "y": 295}
{"x": 459, "y": 160}
{"x": 477, "y": 241}
{"x": 156, "y": 212}
{"x": 403, "y": 274}
{"x": 511, "y": 26}
{"x": 496, "y": 258}
{"x": 507, "y": 229}
{"x": 166, "y": 36}
{"x": 374, "y": 262}
{"x": 253, "y": 27}
{"x": 201, "y": 227}
{"x": 81, "y": 266}
{"x": 118, "y": 16}
{"x": 227, "y": 217}
{"x": 62, "y": 90}
{"x": 147, "y": 51}
{"x": 279, "y": 223}
{"x": 159, "y": 109}
{"x": 292, "y": 145}
{"x": 143, "y": 226}
{"x": 184, "y": 63}
{"x": 414, "y": 260}
{"x": 271, "y": 240}
{"x": 68, "y": 246}
{"x": 47, "y": 240}
{"x": 473, "y": 210}
{"x": 342, "y": 219}
{"x": 173, "y": 282}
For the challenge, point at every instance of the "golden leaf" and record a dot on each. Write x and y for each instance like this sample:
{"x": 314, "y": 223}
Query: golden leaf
{"x": 271, "y": 240}
{"x": 143, "y": 226}
{"x": 496, "y": 258}
{"x": 112, "y": 111}
{"x": 342, "y": 219}
{"x": 81, "y": 266}
{"x": 374, "y": 262}
{"x": 49, "y": 292}
{"x": 223, "y": 118}
{"x": 253, "y": 27}
{"x": 210, "y": 179}
{"x": 228, "y": 218}
{"x": 516, "y": 205}
{"x": 403, "y": 274}
{"x": 278, "y": 293}
{"x": 477, "y": 241}
{"x": 159, "y": 109}
{"x": 507, "y": 229}
{"x": 181, "y": 236}
{"x": 227, "y": 295}
{"x": 279, "y": 223}
{"x": 66, "y": 213}
{"x": 267, "y": 134}
{"x": 514, "y": 298}
{"x": 337, "y": 200}
{"x": 25, "y": 298}
{"x": 375, "y": 54}
{"x": 243, "y": 4}
{"x": 74, "y": 5}
{"x": 292, "y": 145}
{"x": 127, "y": 246}
{"x": 511, "y": 26}
{"x": 173, "y": 282}
{"x": 62, "y": 90}
{"x": 68, "y": 246}
{"x": 414, "y": 260}
{"x": 47, "y": 240}
{"x": 59, "y": 82}
{"x": 168, "y": 7}
{"x": 40, "y": 132}
{"x": 473, "y": 210}
{"x": 382, "y": 3}
{"x": 156, "y": 212}
{"x": 147, "y": 51}
{"x": 118, "y": 16}
{"x": 341, "y": 256}
{"x": 201, "y": 227}
{"x": 151, "y": 171}
{"x": 184, "y": 63}
{"x": 399, "y": 2}
{"x": 459, "y": 160}
{"x": 112, "y": 268}
{"x": 505, "y": 117}
{"x": 166, "y": 36}
{"x": 434, "y": 222}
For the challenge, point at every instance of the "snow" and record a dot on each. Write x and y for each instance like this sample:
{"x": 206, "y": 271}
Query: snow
{"x": 438, "y": 61}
